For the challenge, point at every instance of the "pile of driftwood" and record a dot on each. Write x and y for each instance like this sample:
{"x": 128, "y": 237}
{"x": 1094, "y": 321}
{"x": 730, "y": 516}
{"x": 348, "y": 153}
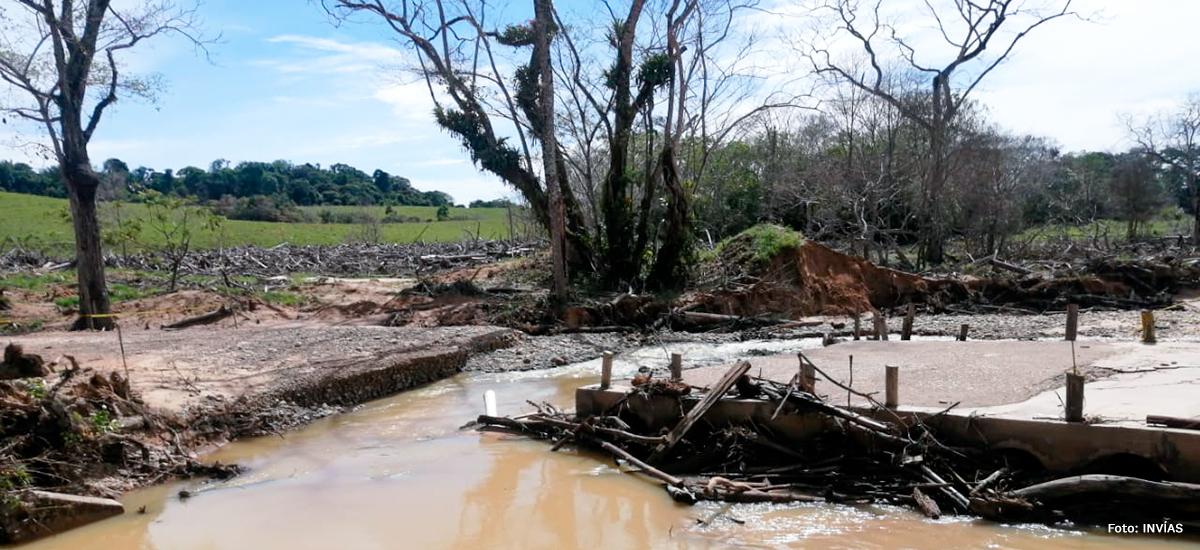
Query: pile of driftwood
{"x": 69, "y": 429}
{"x": 856, "y": 459}
{"x": 284, "y": 259}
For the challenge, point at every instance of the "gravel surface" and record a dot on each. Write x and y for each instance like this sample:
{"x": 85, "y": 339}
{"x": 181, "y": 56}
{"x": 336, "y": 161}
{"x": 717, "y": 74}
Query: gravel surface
{"x": 543, "y": 352}
{"x": 1182, "y": 322}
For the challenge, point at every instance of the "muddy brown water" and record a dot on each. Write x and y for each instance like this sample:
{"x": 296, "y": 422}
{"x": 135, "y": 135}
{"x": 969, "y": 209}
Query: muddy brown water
{"x": 398, "y": 473}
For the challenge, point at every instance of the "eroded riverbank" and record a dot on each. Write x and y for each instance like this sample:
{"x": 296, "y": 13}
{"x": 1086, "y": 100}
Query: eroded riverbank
{"x": 398, "y": 473}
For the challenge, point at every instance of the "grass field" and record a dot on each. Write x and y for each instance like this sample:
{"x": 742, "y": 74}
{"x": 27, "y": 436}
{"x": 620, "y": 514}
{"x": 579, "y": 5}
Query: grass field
{"x": 1169, "y": 221}
{"x": 38, "y": 222}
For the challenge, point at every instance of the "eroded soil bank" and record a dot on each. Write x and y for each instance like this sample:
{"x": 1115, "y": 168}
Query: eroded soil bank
{"x": 398, "y": 473}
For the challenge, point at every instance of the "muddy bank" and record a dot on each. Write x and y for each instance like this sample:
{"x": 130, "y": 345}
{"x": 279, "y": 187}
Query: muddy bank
{"x": 94, "y": 425}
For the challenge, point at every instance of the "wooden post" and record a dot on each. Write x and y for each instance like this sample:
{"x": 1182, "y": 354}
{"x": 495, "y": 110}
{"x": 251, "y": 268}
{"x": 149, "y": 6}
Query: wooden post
{"x": 808, "y": 375}
{"x": 1072, "y": 321}
{"x": 881, "y": 329}
{"x": 892, "y": 380}
{"x": 906, "y": 328}
{"x": 676, "y": 367}
{"x": 1074, "y": 397}
{"x": 962, "y": 332}
{"x": 1148, "y": 327}
{"x": 606, "y": 370}
{"x": 857, "y": 325}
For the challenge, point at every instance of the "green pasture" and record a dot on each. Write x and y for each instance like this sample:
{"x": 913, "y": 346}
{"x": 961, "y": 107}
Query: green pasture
{"x": 39, "y": 222}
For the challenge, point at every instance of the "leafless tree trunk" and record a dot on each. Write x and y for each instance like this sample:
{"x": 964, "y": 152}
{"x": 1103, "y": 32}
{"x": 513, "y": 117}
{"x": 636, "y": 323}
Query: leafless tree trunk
{"x": 973, "y": 28}
{"x": 543, "y": 22}
{"x": 1174, "y": 139}
{"x": 65, "y": 37}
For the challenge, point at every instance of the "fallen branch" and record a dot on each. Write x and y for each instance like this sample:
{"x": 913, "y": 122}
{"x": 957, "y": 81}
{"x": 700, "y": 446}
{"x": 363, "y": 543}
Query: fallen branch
{"x": 714, "y": 394}
{"x": 1111, "y": 486}
{"x": 206, "y": 319}
{"x": 1173, "y": 422}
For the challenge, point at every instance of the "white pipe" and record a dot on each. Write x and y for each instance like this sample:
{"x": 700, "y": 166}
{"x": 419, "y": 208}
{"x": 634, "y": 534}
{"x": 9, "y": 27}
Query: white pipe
{"x": 489, "y": 403}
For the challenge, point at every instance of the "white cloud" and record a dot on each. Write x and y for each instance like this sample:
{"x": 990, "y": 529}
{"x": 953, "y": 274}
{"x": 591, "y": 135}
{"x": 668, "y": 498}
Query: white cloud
{"x": 441, "y": 162}
{"x": 408, "y": 101}
{"x": 466, "y": 188}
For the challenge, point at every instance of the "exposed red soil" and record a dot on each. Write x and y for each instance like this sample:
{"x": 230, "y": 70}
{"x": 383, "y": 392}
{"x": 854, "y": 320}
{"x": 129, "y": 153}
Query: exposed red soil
{"x": 812, "y": 279}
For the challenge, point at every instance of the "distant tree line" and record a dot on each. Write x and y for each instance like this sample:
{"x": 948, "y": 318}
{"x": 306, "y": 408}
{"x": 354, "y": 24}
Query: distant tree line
{"x": 258, "y": 186}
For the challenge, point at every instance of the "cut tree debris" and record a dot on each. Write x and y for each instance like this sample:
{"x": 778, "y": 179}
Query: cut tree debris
{"x": 854, "y": 459}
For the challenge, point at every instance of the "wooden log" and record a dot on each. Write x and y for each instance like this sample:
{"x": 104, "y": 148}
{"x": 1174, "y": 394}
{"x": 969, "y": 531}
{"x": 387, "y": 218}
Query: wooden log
{"x": 648, "y": 469}
{"x": 700, "y": 318}
{"x": 1010, "y": 267}
{"x": 1173, "y": 422}
{"x": 892, "y": 380}
{"x": 906, "y": 328}
{"x": 714, "y": 394}
{"x": 987, "y": 482}
{"x": 606, "y": 370}
{"x": 592, "y": 428}
{"x": 1074, "y": 406}
{"x": 510, "y": 423}
{"x": 857, "y": 326}
{"x": 676, "y": 367}
{"x": 946, "y": 489}
{"x": 1148, "y": 336}
{"x": 962, "y": 332}
{"x": 926, "y": 505}
{"x": 755, "y": 495}
{"x": 206, "y": 319}
{"x": 1067, "y": 487}
{"x": 1072, "y": 321}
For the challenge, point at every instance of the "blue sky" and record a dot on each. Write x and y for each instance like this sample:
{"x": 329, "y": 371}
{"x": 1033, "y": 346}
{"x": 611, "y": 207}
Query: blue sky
{"x": 284, "y": 83}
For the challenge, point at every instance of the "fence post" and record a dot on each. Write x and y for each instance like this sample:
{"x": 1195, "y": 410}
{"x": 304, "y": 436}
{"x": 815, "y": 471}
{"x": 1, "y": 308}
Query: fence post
{"x": 906, "y": 328}
{"x": 1072, "y": 321}
{"x": 892, "y": 380}
{"x": 1074, "y": 411}
{"x": 606, "y": 370}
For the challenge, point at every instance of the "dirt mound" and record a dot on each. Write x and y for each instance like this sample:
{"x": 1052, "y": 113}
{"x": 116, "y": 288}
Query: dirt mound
{"x": 169, "y": 308}
{"x": 770, "y": 270}
{"x": 173, "y": 306}
{"x": 17, "y": 364}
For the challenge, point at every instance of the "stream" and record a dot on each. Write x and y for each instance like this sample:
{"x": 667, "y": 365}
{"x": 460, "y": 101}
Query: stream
{"x": 398, "y": 473}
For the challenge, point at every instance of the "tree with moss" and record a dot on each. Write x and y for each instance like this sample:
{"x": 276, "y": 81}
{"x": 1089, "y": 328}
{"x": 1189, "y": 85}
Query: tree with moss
{"x": 631, "y": 225}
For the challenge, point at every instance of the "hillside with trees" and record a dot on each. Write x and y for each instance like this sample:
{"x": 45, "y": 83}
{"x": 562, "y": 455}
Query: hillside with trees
{"x": 282, "y": 181}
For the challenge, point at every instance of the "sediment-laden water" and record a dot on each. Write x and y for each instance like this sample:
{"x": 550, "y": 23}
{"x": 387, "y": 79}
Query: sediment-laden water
{"x": 398, "y": 473}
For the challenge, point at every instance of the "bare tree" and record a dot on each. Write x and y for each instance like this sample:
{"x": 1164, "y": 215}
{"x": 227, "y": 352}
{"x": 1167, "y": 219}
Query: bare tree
{"x": 48, "y": 53}
{"x": 967, "y": 29}
{"x": 1173, "y": 139}
{"x": 543, "y": 31}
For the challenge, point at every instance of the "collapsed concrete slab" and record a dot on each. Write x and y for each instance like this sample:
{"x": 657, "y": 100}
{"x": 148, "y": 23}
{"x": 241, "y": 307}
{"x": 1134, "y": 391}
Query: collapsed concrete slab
{"x": 31, "y": 515}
